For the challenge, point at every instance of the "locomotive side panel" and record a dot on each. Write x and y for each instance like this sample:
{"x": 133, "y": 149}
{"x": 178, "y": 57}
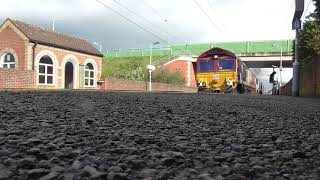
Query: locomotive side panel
{"x": 249, "y": 79}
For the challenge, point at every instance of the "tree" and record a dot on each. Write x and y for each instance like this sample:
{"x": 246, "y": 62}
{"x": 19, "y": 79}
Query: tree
{"x": 309, "y": 38}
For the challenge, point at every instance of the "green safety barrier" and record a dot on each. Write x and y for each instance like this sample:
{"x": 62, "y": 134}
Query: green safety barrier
{"x": 197, "y": 49}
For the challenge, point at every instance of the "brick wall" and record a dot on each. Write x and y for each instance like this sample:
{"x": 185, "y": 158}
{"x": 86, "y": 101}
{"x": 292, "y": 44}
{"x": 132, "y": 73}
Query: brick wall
{"x": 310, "y": 78}
{"x": 10, "y": 40}
{"x": 287, "y": 89}
{"x": 127, "y": 85}
{"x": 193, "y": 75}
{"x": 185, "y": 67}
{"x": 14, "y": 42}
{"x": 16, "y": 79}
{"x": 123, "y": 85}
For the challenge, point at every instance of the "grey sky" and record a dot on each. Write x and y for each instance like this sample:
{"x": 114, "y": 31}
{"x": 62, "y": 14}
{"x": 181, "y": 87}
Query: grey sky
{"x": 236, "y": 20}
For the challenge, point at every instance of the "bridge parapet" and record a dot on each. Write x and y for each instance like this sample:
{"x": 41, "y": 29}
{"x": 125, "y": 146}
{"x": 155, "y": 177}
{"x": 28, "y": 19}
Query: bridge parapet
{"x": 244, "y": 47}
{"x": 263, "y": 54}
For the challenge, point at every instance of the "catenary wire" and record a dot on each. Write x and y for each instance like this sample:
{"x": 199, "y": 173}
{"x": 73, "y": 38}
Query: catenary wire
{"x": 207, "y": 15}
{"x": 145, "y": 19}
{"x": 126, "y": 18}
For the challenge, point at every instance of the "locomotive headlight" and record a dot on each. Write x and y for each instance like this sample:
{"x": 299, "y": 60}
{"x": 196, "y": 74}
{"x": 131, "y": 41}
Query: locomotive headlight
{"x": 229, "y": 83}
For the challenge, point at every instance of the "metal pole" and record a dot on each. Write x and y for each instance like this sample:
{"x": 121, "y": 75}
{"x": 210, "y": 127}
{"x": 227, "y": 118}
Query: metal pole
{"x": 280, "y": 68}
{"x": 150, "y": 86}
{"x": 53, "y": 24}
{"x": 273, "y": 85}
{"x": 296, "y": 68}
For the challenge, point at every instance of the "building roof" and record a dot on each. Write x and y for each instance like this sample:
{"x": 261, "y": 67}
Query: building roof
{"x": 50, "y": 38}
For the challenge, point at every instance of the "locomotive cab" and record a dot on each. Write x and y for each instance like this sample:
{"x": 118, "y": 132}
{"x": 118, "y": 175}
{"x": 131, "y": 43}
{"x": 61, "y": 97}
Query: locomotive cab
{"x": 218, "y": 72}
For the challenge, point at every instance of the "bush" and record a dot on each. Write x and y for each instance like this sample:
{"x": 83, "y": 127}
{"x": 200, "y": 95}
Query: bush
{"x": 130, "y": 68}
{"x": 166, "y": 77}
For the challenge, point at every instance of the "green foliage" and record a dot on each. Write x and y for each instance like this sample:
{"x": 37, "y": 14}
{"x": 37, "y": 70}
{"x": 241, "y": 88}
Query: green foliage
{"x": 309, "y": 38}
{"x": 168, "y": 77}
{"x": 129, "y": 68}
{"x": 316, "y": 14}
{"x": 134, "y": 68}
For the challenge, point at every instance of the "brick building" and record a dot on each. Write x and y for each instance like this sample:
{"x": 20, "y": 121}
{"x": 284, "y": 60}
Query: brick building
{"x": 37, "y": 58}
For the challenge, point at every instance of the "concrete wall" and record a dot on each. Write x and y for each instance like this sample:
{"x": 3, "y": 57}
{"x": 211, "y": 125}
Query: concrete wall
{"x": 127, "y": 85}
{"x": 310, "y": 78}
{"x": 16, "y": 79}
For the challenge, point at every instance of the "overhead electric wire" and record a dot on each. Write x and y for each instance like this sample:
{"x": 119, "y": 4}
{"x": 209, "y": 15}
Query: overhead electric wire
{"x": 206, "y": 14}
{"x": 145, "y": 19}
{"x": 304, "y": 12}
{"x": 216, "y": 11}
{"x": 159, "y": 14}
{"x": 141, "y": 27}
{"x": 155, "y": 11}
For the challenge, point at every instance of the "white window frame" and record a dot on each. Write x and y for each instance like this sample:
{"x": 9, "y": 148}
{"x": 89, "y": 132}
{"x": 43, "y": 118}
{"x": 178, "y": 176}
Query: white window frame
{"x": 7, "y": 63}
{"x": 89, "y": 78}
{"x": 45, "y": 74}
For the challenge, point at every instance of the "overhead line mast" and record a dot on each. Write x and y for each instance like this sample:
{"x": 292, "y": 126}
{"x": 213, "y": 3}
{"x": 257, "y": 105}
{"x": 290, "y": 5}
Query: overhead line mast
{"x": 126, "y": 18}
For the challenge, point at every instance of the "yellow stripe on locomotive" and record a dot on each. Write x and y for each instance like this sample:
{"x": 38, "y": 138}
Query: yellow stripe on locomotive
{"x": 218, "y": 81}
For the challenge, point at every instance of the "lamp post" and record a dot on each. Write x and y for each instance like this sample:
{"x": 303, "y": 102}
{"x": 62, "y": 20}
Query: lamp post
{"x": 150, "y": 67}
{"x": 98, "y": 45}
{"x": 280, "y": 67}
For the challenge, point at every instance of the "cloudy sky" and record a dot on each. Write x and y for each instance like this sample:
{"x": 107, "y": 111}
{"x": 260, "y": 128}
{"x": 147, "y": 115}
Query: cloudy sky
{"x": 171, "y": 21}
{"x": 174, "y": 21}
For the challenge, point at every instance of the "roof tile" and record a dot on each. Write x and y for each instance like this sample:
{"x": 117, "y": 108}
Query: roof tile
{"x": 51, "y": 38}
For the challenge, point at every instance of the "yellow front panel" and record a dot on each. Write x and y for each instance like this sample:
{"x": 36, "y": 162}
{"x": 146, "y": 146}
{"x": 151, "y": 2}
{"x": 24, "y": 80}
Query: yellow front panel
{"x": 217, "y": 80}
{"x": 204, "y": 77}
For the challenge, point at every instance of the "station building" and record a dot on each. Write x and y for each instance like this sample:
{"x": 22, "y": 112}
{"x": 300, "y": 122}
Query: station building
{"x": 32, "y": 57}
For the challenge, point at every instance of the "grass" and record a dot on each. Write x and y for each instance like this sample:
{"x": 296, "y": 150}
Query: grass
{"x": 112, "y": 66}
{"x": 135, "y": 68}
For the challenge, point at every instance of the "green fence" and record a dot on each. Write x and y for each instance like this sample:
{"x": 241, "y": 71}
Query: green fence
{"x": 197, "y": 49}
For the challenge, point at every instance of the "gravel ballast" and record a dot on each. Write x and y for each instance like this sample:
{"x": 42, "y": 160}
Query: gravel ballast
{"x": 91, "y": 135}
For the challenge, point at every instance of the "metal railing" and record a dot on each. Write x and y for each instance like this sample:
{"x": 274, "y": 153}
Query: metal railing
{"x": 165, "y": 60}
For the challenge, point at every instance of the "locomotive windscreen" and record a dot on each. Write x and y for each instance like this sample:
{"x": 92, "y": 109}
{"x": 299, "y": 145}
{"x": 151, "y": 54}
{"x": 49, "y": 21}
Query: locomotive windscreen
{"x": 225, "y": 65}
{"x": 205, "y": 65}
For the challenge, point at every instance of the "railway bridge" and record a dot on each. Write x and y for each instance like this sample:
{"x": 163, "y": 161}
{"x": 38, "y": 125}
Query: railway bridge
{"x": 256, "y": 54}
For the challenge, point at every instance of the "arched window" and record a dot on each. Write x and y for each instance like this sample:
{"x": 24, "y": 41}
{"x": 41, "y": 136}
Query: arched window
{"x": 8, "y": 61}
{"x": 89, "y": 75}
{"x": 46, "y": 70}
